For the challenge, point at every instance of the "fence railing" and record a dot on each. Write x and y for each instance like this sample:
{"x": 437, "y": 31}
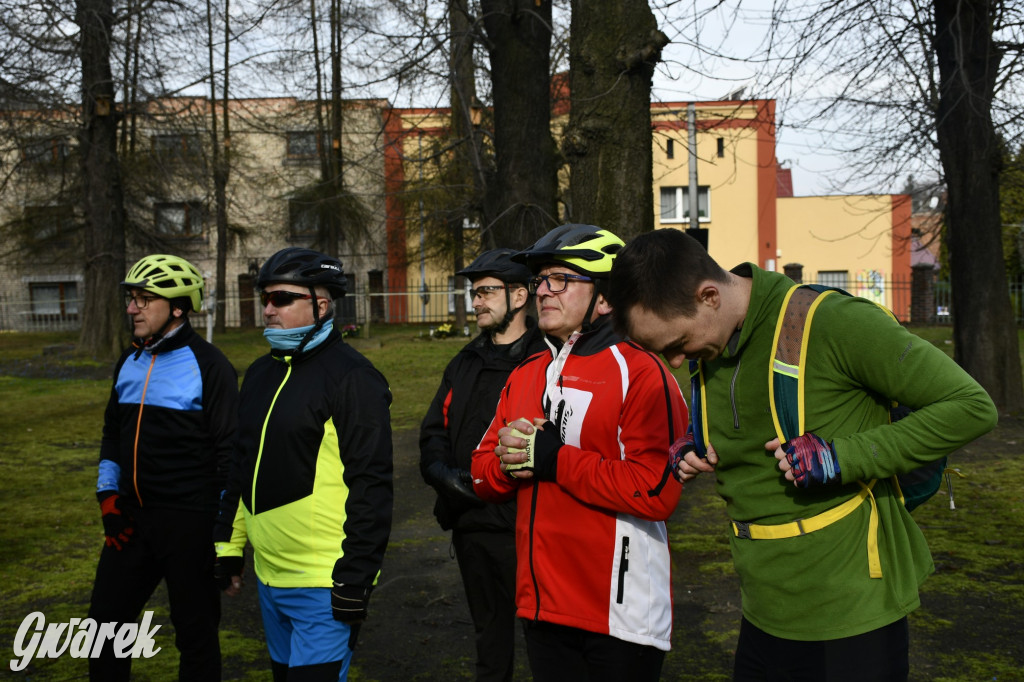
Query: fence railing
{"x": 434, "y": 303}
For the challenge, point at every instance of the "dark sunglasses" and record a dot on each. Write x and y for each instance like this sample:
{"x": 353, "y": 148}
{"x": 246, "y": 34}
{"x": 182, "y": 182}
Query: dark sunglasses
{"x": 281, "y": 299}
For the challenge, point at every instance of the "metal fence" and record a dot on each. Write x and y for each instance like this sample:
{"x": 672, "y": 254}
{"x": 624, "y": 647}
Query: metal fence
{"x": 433, "y": 302}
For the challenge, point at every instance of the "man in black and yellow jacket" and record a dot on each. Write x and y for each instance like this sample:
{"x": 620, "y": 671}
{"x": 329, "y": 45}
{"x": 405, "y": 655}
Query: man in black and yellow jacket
{"x": 311, "y": 484}
{"x": 167, "y": 438}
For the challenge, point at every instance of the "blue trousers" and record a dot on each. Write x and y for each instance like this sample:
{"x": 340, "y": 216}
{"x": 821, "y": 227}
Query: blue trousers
{"x": 304, "y": 640}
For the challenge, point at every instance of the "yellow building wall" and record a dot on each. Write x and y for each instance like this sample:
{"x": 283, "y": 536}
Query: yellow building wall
{"x": 840, "y": 233}
{"x": 731, "y": 177}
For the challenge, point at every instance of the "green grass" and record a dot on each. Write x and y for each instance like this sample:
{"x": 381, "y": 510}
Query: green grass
{"x": 51, "y": 430}
{"x": 50, "y": 535}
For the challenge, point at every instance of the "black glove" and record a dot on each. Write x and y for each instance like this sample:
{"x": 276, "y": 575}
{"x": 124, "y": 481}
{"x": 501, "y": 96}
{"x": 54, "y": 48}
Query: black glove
{"x": 118, "y": 526}
{"x": 227, "y": 567}
{"x": 546, "y": 442}
{"x": 349, "y": 602}
{"x": 453, "y": 483}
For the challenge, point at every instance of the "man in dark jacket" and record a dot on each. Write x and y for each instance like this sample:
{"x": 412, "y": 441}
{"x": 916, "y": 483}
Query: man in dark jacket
{"x": 311, "y": 485}
{"x": 482, "y": 534}
{"x": 167, "y": 439}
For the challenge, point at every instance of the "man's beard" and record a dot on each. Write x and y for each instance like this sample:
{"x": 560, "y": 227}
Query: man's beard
{"x": 497, "y": 325}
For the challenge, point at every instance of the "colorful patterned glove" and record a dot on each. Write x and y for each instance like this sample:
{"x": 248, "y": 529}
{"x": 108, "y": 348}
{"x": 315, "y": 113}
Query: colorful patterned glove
{"x": 542, "y": 451}
{"x": 117, "y": 526}
{"x": 813, "y": 461}
{"x": 683, "y": 445}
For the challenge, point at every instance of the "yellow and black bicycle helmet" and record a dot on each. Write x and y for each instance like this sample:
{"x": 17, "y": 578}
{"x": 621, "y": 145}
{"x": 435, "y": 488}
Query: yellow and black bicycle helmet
{"x": 588, "y": 249}
{"x": 168, "y": 276}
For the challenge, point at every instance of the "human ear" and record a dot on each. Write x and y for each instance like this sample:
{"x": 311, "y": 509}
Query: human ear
{"x": 709, "y": 295}
{"x": 519, "y": 297}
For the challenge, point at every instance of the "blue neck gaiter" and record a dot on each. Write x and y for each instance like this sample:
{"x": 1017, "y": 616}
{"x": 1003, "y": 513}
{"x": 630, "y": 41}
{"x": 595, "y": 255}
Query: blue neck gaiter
{"x": 289, "y": 339}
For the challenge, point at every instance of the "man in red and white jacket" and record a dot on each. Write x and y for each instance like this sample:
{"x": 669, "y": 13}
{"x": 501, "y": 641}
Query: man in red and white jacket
{"x": 580, "y": 438}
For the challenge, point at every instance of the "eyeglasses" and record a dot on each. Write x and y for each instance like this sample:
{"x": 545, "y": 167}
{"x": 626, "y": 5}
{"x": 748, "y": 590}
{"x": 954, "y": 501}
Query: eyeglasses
{"x": 486, "y": 290}
{"x": 141, "y": 302}
{"x": 281, "y": 299}
{"x": 556, "y": 281}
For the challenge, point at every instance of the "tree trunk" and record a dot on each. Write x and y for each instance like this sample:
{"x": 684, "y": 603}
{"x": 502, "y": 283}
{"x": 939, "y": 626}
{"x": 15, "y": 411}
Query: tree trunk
{"x": 467, "y": 156}
{"x": 220, "y": 146}
{"x": 103, "y": 323}
{"x": 521, "y": 201}
{"x": 984, "y": 332}
{"x": 613, "y": 47}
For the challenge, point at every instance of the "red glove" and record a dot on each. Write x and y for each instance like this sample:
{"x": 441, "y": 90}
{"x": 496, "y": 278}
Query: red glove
{"x": 117, "y": 525}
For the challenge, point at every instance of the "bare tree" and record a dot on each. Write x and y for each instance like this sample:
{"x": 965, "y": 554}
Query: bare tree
{"x": 102, "y": 316}
{"x": 968, "y": 60}
{"x": 521, "y": 197}
{"x": 613, "y": 49}
{"x": 220, "y": 146}
{"x": 929, "y": 88}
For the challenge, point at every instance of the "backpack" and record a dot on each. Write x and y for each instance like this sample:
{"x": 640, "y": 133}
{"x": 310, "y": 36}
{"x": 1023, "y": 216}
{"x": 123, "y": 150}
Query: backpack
{"x": 786, "y": 393}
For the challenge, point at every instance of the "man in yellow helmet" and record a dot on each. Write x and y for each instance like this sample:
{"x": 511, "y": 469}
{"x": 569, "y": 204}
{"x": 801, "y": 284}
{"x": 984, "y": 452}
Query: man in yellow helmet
{"x": 587, "y": 463}
{"x": 167, "y": 438}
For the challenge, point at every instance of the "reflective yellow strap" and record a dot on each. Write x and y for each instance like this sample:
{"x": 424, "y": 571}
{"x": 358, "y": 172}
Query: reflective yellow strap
{"x": 781, "y": 531}
{"x": 874, "y": 562}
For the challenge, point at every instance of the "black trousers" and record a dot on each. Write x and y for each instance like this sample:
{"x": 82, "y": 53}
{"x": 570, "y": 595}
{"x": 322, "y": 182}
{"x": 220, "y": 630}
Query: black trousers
{"x": 880, "y": 655}
{"x": 562, "y": 654}
{"x": 487, "y": 562}
{"x": 175, "y": 546}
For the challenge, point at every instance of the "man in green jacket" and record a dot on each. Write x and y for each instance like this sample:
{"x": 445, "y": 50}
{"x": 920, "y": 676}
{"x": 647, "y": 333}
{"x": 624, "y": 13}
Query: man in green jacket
{"x": 830, "y": 600}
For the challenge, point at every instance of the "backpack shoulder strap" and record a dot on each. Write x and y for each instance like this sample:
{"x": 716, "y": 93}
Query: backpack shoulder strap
{"x": 789, "y": 349}
{"x": 698, "y": 408}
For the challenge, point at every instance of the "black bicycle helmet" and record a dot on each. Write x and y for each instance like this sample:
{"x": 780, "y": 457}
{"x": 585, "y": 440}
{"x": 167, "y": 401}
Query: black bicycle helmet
{"x": 306, "y": 268}
{"x": 585, "y": 248}
{"x": 497, "y": 263}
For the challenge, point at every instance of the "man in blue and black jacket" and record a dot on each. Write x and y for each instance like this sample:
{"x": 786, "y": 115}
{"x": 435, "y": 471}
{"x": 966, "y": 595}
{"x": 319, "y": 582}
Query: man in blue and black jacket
{"x": 167, "y": 439}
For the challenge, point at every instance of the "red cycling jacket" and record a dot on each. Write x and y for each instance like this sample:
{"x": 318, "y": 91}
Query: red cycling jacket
{"x": 593, "y": 547}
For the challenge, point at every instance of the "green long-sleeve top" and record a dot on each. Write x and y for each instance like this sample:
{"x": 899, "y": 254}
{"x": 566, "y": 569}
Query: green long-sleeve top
{"x": 817, "y": 586}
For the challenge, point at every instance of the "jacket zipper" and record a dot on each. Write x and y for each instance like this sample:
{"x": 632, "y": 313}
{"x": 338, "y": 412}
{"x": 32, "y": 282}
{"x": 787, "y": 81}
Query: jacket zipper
{"x": 138, "y": 430}
{"x": 623, "y": 568}
{"x": 533, "y": 572}
{"x": 732, "y": 395}
{"x": 263, "y": 432}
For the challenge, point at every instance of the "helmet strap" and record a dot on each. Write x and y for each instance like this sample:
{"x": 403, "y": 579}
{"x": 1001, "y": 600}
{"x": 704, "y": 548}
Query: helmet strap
{"x": 155, "y": 338}
{"x": 318, "y": 322}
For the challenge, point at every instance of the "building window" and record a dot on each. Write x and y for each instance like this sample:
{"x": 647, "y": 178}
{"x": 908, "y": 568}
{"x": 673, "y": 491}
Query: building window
{"x": 54, "y": 300}
{"x": 176, "y": 145}
{"x": 833, "y": 278}
{"x": 675, "y": 204}
{"x": 45, "y": 151}
{"x": 48, "y": 222}
{"x": 302, "y": 144}
{"x": 721, "y": 147}
{"x": 179, "y": 219}
{"x": 303, "y": 219}
{"x": 670, "y": 148}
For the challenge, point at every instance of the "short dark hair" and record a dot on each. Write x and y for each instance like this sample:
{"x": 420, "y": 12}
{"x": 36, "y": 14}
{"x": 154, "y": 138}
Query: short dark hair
{"x": 660, "y": 271}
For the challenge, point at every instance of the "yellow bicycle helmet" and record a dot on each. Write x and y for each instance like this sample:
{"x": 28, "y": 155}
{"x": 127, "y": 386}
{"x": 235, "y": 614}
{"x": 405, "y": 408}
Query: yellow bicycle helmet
{"x": 168, "y": 276}
{"x": 585, "y": 248}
